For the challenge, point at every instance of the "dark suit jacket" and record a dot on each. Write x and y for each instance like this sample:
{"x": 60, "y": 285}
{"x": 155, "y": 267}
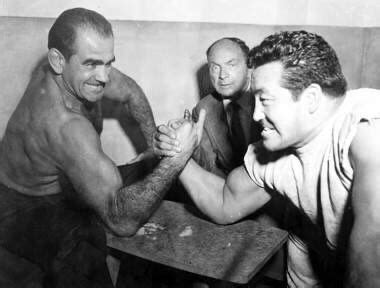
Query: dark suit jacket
{"x": 219, "y": 152}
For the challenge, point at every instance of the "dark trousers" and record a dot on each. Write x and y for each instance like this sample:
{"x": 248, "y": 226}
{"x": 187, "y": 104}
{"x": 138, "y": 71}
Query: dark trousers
{"x": 67, "y": 244}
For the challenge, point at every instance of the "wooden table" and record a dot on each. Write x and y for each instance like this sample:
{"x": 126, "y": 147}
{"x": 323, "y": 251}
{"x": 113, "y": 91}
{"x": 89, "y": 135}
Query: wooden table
{"x": 177, "y": 237}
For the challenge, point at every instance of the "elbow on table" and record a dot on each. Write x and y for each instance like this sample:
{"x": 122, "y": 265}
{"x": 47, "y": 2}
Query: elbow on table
{"x": 124, "y": 228}
{"x": 223, "y": 219}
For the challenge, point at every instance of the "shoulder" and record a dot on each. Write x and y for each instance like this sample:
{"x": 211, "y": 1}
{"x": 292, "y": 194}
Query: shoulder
{"x": 365, "y": 144}
{"x": 211, "y": 104}
{"x": 352, "y": 133}
{"x": 208, "y": 101}
{"x": 121, "y": 86}
{"x": 72, "y": 136}
{"x": 78, "y": 128}
{"x": 117, "y": 76}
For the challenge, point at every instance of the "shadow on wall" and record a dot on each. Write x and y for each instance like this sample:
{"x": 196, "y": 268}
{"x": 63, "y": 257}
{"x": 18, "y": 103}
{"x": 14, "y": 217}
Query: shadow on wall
{"x": 110, "y": 110}
{"x": 204, "y": 82}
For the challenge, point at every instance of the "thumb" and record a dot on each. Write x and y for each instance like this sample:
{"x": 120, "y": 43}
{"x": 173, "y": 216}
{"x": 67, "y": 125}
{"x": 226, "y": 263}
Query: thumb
{"x": 187, "y": 115}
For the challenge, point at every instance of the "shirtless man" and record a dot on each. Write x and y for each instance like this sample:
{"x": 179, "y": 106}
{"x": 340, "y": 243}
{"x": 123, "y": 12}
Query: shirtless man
{"x": 320, "y": 151}
{"x": 56, "y": 183}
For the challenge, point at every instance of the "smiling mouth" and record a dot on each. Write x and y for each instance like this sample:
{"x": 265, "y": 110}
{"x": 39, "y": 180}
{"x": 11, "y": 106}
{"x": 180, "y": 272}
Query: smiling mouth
{"x": 96, "y": 86}
{"x": 267, "y": 131}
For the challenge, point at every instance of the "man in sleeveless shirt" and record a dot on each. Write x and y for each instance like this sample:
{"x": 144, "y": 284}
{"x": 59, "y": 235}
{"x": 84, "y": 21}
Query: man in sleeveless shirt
{"x": 320, "y": 151}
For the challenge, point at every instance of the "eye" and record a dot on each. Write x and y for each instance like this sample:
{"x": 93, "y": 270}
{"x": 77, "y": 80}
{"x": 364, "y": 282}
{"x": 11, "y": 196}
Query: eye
{"x": 266, "y": 101}
{"x": 214, "y": 68}
{"x": 90, "y": 65}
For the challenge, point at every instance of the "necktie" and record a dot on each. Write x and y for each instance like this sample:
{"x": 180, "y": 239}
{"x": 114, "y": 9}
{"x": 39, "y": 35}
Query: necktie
{"x": 236, "y": 131}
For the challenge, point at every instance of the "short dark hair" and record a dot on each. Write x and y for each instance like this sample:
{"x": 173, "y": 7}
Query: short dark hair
{"x": 306, "y": 58}
{"x": 62, "y": 34}
{"x": 244, "y": 48}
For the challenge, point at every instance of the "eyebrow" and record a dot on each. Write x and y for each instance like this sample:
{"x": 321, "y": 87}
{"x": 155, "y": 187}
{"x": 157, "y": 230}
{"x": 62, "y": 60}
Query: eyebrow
{"x": 232, "y": 60}
{"x": 98, "y": 62}
{"x": 227, "y": 62}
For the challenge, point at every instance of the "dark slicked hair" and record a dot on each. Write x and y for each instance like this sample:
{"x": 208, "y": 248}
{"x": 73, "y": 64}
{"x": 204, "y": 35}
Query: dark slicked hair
{"x": 306, "y": 58}
{"x": 244, "y": 48}
{"x": 62, "y": 34}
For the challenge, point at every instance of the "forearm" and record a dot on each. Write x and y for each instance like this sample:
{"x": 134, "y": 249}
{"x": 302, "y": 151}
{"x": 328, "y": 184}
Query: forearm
{"x": 124, "y": 89}
{"x": 205, "y": 189}
{"x": 140, "y": 110}
{"x": 364, "y": 261}
{"x": 132, "y": 205}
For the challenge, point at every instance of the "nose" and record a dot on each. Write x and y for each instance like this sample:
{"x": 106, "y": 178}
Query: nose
{"x": 223, "y": 74}
{"x": 258, "y": 113}
{"x": 102, "y": 74}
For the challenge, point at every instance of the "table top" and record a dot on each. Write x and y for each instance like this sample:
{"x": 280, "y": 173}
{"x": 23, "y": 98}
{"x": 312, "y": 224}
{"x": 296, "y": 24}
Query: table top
{"x": 176, "y": 236}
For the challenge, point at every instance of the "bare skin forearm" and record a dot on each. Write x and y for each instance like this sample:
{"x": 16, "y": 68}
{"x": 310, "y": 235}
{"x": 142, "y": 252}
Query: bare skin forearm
{"x": 224, "y": 201}
{"x": 140, "y": 110}
{"x": 124, "y": 89}
{"x": 134, "y": 204}
{"x": 206, "y": 194}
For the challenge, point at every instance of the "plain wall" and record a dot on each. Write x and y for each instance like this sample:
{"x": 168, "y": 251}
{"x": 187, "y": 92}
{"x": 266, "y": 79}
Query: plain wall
{"x": 163, "y": 47}
{"x": 353, "y": 13}
{"x": 168, "y": 60}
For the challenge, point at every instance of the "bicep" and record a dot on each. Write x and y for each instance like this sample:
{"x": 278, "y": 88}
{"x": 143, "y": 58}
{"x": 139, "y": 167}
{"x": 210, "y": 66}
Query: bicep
{"x": 364, "y": 247}
{"x": 242, "y": 196}
{"x": 93, "y": 175}
{"x": 365, "y": 158}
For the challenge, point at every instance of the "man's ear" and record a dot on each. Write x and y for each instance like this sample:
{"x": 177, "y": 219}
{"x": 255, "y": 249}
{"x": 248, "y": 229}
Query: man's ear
{"x": 313, "y": 96}
{"x": 56, "y": 60}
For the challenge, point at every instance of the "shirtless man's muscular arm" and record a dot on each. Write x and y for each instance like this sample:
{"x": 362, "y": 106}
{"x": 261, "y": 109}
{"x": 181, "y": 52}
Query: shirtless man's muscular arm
{"x": 124, "y": 89}
{"x": 97, "y": 180}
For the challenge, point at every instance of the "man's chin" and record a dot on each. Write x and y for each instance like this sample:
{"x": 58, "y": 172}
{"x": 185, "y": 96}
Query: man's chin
{"x": 227, "y": 96}
{"x": 94, "y": 97}
{"x": 270, "y": 146}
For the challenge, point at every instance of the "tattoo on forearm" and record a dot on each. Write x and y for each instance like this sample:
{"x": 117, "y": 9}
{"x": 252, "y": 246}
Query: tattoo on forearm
{"x": 141, "y": 111}
{"x": 139, "y": 200}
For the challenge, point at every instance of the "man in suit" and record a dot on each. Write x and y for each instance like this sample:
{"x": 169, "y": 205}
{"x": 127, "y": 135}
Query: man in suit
{"x": 228, "y": 128}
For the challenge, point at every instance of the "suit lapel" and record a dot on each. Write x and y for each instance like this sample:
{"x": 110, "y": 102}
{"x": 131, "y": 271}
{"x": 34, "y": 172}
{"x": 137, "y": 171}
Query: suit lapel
{"x": 217, "y": 129}
{"x": 246, "y": 103}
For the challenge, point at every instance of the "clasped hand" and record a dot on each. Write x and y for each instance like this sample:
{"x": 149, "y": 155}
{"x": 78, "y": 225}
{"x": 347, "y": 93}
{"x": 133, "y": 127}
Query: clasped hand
{"x": 179, "y": 136}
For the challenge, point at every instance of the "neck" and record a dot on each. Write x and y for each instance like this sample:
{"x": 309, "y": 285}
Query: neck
{"x": 69, "y": 97}
{"x": 322, "y": 117}
{"x": 238, "y": 94}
